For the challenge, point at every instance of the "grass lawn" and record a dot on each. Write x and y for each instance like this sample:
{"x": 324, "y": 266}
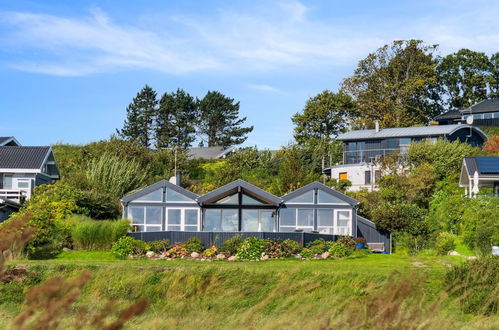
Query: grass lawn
{"x": 288, "y": 293}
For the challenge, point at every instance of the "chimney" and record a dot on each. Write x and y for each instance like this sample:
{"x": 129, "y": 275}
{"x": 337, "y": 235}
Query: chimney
{"x": 177, "y": 179}
{"x": 376, "y": 126}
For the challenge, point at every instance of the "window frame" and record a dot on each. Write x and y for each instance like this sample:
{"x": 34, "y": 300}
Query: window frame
{"x": 182, "y": 218}
{"x": 335, "y": 223}
{"x": 144, "y": 216}
{"x": 296, "y": 227}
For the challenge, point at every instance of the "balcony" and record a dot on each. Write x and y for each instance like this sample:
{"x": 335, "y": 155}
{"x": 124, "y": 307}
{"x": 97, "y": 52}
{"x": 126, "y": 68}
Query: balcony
{"x": 370, "y": 155}
{"x": 18, "y": 196}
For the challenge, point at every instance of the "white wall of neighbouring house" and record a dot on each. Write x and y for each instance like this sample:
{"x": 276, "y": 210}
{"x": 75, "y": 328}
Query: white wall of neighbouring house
{"x": 356, "y": 174}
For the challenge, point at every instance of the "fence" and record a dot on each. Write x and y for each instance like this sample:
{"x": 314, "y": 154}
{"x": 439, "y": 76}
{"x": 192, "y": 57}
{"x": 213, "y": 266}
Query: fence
{"x": 217, "y": 238}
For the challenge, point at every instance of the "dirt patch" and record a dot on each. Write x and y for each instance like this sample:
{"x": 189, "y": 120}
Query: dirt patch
{"x": 419, "y": 264}
{"x": 17, "y": 273}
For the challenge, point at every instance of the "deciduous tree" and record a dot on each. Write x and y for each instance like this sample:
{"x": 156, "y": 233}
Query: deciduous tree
{"x": 395, "y": 85}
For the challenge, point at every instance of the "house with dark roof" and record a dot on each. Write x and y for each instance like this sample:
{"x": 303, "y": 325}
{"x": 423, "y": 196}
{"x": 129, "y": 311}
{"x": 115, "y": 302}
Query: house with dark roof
{"x": 480, "y": 172}
{"x": 209, "y": 152}
{"x": 9, "y": 141}
{"x": 484, "y": 113}
{"x": 165, "y": 210}
{"x": 363, "y": 149}
{"x": 24, "y": 167}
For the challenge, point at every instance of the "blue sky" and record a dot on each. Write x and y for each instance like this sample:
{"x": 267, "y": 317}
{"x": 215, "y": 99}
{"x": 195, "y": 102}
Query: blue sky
{"x": 68, "y": 69}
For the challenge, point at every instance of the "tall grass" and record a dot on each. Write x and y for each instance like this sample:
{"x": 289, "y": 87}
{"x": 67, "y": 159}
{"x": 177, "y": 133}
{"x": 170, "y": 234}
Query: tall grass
{"x": 98, "y": 234}
{"x": 114, "y": 174}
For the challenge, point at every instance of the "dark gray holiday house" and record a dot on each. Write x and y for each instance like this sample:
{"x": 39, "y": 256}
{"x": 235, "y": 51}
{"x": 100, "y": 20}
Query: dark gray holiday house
{"x": 167, "y": 211}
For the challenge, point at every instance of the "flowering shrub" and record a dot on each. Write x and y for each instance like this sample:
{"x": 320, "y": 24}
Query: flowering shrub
{"x": 360, "y": 240}
{"x": 252, "y": 248}
{"x": 211, "y": 252}
{"x": 160, "y": 246}
{"x": 348, "y": 242}
{"x": 177, "y": 251}
{"x": 293, "y": 246}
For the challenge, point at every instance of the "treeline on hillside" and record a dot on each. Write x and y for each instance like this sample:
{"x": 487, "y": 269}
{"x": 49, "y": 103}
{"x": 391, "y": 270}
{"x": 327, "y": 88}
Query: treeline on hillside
{"x": 177, "y": 119}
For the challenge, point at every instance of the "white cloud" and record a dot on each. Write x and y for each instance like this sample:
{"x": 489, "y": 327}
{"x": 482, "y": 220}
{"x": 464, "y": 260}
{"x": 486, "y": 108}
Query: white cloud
{"x": 264, "y": 88}
{"x": 283, "y": 35}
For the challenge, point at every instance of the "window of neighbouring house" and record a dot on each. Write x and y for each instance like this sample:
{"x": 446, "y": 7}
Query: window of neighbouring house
{"x": 343, "y": 176}
{"x": 343, "y": 223}
{"x": 377, "y": 175}
{"x": 367, "y": 177}
{"x": 487, "y": 116}
{"x": 24, "y": 184}
{"x": 325, "y": 221}
{"x": 7, "y": 181}
{"x": 305, "y": 198}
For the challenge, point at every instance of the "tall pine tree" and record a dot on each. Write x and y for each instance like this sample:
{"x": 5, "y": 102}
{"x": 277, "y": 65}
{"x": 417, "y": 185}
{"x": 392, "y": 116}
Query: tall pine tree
{"x": 176, "y": 120}
{"x": 220, "y": 122}
{"x": 140, "y": 114}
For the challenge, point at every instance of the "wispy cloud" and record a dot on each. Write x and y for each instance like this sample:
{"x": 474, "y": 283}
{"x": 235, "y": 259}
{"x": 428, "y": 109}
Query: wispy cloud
{"x": 264, "y": 88}
{"x": 271, "y": 36}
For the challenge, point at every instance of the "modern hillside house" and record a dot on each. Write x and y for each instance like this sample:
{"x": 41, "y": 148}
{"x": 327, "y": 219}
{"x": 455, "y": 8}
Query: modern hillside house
{"x": 363, "y": 149}
{"x": 21, "y": 169}
{"x": 165, "y": 210}
{"x": 485, "y": 113}
{"x": 478, "y": 173}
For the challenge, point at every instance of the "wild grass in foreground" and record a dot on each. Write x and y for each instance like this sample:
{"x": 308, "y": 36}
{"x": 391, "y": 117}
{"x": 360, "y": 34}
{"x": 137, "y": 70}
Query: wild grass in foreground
{"x": 357, "y": 293}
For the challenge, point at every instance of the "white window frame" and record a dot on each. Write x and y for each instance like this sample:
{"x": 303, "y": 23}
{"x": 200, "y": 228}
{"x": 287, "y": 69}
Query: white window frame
{"x": 296, "y": 227}
{"x": 319, "y": 228}
{"x": 28, "y": 181}
{"x": 260, "y": 211}
{"x": 336, "y": 230}
{"x": 144, "y": 224}
{"x": 182, "y": 217}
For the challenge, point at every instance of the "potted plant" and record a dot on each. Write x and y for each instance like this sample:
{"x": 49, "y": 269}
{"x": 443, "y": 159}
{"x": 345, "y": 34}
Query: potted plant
{"x": 360, "y": 242}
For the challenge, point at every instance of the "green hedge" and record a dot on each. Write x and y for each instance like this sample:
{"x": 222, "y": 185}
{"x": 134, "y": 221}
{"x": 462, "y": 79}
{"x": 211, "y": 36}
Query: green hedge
{"x": 98, "y": 234}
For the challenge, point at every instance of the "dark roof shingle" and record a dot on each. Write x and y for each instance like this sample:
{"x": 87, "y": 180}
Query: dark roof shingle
{"x": 23, "y": 157}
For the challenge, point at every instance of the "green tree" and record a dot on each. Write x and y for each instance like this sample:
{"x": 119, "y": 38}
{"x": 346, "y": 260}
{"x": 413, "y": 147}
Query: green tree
{"x": 324, "y": 116}
{"x": 395, "y": 85}
{"x": 463, "y": 77}
{"x": 494, "y": 76}
{"x": 176, "y": 120}
{"x": 140, "y": 114}
{"x": 220, "y": 122}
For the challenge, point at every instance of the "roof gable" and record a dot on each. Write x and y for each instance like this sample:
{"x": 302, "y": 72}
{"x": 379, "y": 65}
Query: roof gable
{"x": 158, "y": 185}
{"x": 236, "y": 186}
{"x": 324, "y": 188}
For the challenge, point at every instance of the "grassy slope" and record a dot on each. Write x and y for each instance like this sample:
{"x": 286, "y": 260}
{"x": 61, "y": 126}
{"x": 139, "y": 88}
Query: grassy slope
{"x": 275, "y": 293}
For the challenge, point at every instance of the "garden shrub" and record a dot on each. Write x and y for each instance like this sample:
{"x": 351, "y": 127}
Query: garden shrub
{"x": 348, "y": 242}
{"x": 211, "y": 252}
{"x": 231, "y": 245}
{"x": 160, "y": 246}
{"x": 278, "y": 249}
{"x": 476, "y": 284}
{"x": 445, "y": 242}
{"x": 252, "y": 248}
{"x": 98, "y": 234}
{"x": 339, "y": 250}
{"x": 307, "y": 253}
{"x": 319, "y": 246}
{"x": 193, "y": 244}
{"x": 127, "y": 245}
{"x": 293, "y": 246}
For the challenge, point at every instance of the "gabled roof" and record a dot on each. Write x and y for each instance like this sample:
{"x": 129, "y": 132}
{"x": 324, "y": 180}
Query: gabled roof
{"x": 485, "y": 166}
{"x": 12, "y": 157}
{"x": 318, "y": 185}
{"x": 423, "y": 131}
{"x": 449, "y": 115}
{"x": 158, "y": 185}
{"x": 490, "y": 105}
{"x": 209, "y": 152}
{"x": 236, "y": 186}
{"x": 9, "y": 140}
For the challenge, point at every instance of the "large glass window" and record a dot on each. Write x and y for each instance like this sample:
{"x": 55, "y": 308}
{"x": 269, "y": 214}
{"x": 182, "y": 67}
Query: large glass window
{"x": 487, "y": 116}
{"x": 153, "y": 219}
{"x": 295, "y": 218}
{"x": 155, "y": 196}
{"x": 305, "y": 219}
{"x": 325, "y": 221}
{"x": 173, "y": 219}
{"x": 343, "y": 223}
{"x": 306, "y": 198}
{"x": 257, "y": 221}
{"x": 173, "y": 196}
{"x": 247, "y": 200}
{"x": 325, "y": 198}
{"x": 191, "y": 220}
{"x": 145, "y": 218}
{"x": 221, "y": 220}
{"x": 367, "y": 177}
{"x": 232, "y": 199}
